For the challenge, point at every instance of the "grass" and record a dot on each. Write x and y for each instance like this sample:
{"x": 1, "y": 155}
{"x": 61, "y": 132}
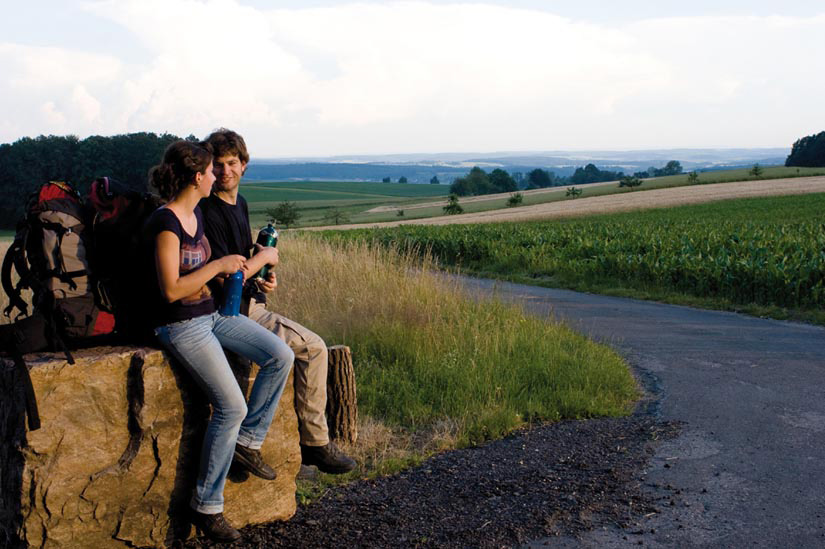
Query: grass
{"x": 764, "y": 256}
{"x": 316, "y": 198}
{"x": 435, "y": 369}
{"x": 428, "y": 354}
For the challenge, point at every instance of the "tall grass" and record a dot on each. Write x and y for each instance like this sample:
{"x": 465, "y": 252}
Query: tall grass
{"x": 426, "y": 353}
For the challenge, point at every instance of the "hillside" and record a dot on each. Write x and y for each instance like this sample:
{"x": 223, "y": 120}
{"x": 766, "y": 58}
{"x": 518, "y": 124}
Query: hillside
{"x": 655, "y": 198}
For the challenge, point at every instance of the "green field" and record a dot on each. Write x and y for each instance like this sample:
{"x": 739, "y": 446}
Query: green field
{"x": 315, "y": 199}
{"x": 765, "y": 255}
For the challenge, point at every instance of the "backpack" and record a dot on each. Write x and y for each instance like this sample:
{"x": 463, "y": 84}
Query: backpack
{"x": 50, "y": 256}
{"x": 50, "y": 253}
{"x": 81, "y": 259}
{"x": 119, "y": 217}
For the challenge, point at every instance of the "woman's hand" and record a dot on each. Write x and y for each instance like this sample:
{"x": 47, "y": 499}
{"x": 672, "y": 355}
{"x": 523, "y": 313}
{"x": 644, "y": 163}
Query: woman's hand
{"x": 230, "y": 264}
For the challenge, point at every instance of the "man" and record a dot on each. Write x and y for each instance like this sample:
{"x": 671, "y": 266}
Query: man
{"x": 226, "y": 217}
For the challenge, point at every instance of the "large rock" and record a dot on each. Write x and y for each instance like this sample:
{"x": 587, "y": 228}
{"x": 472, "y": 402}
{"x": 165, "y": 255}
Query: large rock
{"x": 114, "y": 462}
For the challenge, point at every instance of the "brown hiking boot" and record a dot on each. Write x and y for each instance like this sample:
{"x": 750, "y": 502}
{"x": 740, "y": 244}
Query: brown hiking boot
{"x": 252, "y": 461}
{"x": 215, "y": 527}
{"x": 329, "y": 459}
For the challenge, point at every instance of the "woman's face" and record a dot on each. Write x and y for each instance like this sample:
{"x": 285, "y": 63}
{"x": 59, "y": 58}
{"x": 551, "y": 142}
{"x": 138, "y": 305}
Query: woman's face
{"x": 206, "y": 181}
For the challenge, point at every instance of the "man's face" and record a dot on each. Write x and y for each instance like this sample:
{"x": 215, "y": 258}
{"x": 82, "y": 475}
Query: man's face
{"x": 228, "y": 171}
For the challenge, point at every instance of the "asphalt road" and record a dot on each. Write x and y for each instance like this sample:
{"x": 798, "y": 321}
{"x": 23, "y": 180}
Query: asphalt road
{"x": 748, "y": 469}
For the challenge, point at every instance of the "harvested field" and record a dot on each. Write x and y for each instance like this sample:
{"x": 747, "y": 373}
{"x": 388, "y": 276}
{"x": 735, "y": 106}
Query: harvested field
{"x": 622, "y": 202}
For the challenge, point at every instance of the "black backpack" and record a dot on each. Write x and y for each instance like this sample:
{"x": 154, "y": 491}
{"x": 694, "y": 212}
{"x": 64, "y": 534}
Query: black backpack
{"x": 117, "y": 238}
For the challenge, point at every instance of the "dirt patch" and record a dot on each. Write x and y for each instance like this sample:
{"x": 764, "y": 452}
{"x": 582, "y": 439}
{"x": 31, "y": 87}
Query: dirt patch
{"x": 621, "y": 202}
{"x": 550, "y": 480}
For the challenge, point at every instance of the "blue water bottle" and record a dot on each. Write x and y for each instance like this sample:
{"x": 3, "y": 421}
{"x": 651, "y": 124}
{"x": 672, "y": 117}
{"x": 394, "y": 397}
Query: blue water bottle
{"x": 232, "y": 293}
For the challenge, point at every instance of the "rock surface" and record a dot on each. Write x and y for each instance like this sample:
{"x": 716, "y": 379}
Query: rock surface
{"x": 115, "y": 460}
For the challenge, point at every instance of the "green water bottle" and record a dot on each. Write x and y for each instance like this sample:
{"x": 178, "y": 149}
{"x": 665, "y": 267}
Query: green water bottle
{"x": 268, "y": 238}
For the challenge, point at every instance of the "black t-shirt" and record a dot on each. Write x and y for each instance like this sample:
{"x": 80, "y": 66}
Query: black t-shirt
{"x": 194, "y": 254}
{"x": 228, "y": 231}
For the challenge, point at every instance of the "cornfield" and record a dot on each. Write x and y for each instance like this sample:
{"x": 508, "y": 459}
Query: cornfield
{"x": 767, "y": 258}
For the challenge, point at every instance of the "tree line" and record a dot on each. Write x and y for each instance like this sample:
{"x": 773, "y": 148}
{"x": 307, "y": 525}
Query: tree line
{"x": 478, "y": 182}
{"x": 808, "y": 152}
{"x": 29, "y": 162}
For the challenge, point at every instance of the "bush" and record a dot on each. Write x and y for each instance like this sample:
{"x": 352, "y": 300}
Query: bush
{"x": 452, "y": 206}
{"x": 515, "y": 200}
{"x": 286, "y": 213}
{"x": 630, "y": 181}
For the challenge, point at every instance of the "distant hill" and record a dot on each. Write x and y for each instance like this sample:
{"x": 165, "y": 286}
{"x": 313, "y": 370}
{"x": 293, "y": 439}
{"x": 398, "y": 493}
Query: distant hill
{"x": 420, "y": 168}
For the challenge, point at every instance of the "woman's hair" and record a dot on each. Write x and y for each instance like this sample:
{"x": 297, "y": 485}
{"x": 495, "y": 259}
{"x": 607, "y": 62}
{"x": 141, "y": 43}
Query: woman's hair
{"x": 228, "y": 143}
{"x": 181, "y": 161}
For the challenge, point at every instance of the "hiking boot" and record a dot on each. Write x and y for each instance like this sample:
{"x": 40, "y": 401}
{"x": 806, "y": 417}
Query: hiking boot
{"x": 329, "y": 458}
{"x": 215, "y": 527}
{"x": 252, "y": 461}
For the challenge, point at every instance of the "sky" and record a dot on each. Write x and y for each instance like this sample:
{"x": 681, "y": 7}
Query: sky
{"x": 335, "y": 77}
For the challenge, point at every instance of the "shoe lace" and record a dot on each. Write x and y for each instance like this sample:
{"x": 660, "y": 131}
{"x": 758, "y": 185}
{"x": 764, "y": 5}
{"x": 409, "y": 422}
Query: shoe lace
{"x": 333, "y": 449}
{"x": 220, "y": 521}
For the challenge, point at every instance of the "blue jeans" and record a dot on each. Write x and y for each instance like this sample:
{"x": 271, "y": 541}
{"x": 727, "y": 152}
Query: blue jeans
{"x": 197, "y": 344}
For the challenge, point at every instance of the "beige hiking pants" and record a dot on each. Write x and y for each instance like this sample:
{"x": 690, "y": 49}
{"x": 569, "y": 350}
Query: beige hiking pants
{"x": 310, "y": 372}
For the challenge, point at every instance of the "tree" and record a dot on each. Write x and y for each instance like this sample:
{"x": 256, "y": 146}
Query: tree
{"x": 693, "y": 178}
{"x": 336, "y": 216}
{"x": 29, "y": 162}
{"x": 573, "y": 191}
{"x": 385, "y": 180}
{"x": 592, "y": 174}
{"x": 452, "y": 206}
{"x": 515, "y": 200}
{"x": 400, "y": 213}
{"x": 630, "y": 181}
{"x": 286, "y": 213}
{"x": 434, "y": 180}
{"x": 672, "y": 168}
{"x": 756, "y": 171}
{"x": 402, "y": 179}
{"x": 474, "y": 183}
{"x": 539, "y": 179}
{"x": 808, "y": 151}
{"x": 501, "y": 181}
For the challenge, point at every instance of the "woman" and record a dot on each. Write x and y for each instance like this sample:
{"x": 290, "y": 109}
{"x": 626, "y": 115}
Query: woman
{"x": 188, "y": 326}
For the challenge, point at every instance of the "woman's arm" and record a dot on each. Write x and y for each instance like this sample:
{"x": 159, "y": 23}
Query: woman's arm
{"x": 167, "y": 259}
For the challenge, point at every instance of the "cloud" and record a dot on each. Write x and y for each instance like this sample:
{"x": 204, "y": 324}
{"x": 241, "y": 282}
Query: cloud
{"x": 418, "y": 76}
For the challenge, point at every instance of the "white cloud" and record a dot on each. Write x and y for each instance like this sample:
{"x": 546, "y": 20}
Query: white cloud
{"x": 418, "y": 76}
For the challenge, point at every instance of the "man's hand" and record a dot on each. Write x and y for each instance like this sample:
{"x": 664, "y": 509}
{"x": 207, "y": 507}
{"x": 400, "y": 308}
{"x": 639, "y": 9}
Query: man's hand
{"x": 269, "y": 253}
{"x": 268, "y": 284}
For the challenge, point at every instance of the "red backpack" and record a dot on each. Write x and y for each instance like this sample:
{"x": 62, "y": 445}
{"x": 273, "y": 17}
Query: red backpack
{"x": 50, "y": 254}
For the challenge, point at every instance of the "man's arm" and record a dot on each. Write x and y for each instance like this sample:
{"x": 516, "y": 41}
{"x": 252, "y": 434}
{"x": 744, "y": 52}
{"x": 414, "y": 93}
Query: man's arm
{"x": 263, "y": 256}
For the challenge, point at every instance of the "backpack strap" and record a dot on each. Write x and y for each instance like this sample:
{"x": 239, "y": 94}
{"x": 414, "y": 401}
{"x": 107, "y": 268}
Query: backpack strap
{"x": 32, "y": 413}
{"x": 16, "y": 258}
{"x": 60, "y": 271}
